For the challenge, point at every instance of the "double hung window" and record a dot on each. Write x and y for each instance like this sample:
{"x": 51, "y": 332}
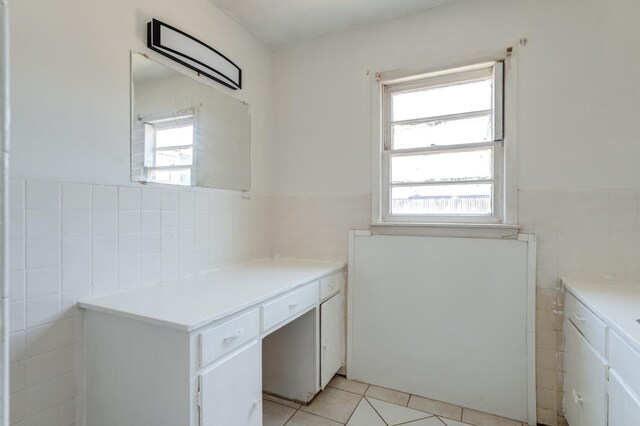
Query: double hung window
{"x": 169, "y": 150}
{"x": 442, "y": 146}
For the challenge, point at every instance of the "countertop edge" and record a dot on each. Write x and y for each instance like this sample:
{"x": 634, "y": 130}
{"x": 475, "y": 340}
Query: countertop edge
{"x": 190, "y": 327}
{"x": 568, "y": 283}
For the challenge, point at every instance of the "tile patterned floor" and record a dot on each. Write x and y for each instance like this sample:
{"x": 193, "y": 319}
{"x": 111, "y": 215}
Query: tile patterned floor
{"x": 345, "y": 402}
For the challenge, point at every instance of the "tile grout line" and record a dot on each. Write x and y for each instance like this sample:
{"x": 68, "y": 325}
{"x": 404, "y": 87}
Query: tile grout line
{"x": 374, "y": 409}
{"x": 354, "y": 410}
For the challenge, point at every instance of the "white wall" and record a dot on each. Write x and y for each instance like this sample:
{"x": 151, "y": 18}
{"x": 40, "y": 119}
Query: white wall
{"x": 70, "y": 82}
{"x": 577, "y": 99}
{"x": 79, "y": 227}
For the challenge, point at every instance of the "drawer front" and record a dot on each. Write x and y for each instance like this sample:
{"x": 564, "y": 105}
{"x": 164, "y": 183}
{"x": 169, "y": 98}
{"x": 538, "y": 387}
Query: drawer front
{"x": 287, "y": 306}
{"x": 586, "y": 322}
{"x": 228, "y": 336}
{"x": 331, "y": 285}
{"x": 625, "y": 361}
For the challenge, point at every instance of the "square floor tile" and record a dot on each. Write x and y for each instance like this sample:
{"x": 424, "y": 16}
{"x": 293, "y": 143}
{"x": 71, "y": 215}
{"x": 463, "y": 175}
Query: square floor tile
{"x": 431, "y": 421}
{"x": 450, "y": 422}
{"x": 478, "y": 418}
{"x": 388, "y": 395}
{"x": 301, "y": 418}
{"x": 274, "y": 414}
{"x": 341, "y": 382}
{"x": 438, "y": 408}
{"x": 334, "y": 404}
{"x": 394, "y": 414}
{"x": 281, "y": 401}
{"x": 365, "y": 415}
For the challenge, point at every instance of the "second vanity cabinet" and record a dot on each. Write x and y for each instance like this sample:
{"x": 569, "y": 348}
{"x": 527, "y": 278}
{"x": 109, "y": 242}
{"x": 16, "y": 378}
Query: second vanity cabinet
{"x": 602, "y": 368}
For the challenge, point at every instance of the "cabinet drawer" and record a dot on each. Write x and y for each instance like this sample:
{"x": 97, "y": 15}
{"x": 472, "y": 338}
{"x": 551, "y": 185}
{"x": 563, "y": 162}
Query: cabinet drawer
{"x": 331, "y": 285}
{"x": 625, "y": 361}
{"x": 228, "y": 336}
{"x": 287, "y": 306}
{"x": 586, "y": 322}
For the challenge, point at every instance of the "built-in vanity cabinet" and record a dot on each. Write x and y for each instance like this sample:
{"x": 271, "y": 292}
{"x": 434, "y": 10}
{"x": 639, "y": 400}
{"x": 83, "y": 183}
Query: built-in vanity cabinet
{"x": 601, "y": 355}
{"x": 202, "y": 351}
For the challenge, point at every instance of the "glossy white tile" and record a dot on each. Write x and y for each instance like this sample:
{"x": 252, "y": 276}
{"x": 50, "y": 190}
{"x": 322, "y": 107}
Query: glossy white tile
{"x": 129, "y": 222}
{"x": 43, "y": 195}
{"x": 76, "y": 250}
{"x": 76, "y": 196}
{"x": 42, "y": 253}
{"x": 43, "y": 281}
{"x": 76, "y": 276}
{"x": 43, "y": 310}
{"x": 151, "y": 199}
{"x": 104, "y": 197}
{"x": 129, "y": 198}
{"x": 42, "y": 224}
{"x": 76, "y": 223}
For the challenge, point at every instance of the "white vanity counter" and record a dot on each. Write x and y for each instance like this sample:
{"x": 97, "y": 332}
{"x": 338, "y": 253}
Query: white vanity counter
{"x": 202, "y": 299}
{"x": 201, "y": 352}
{"x": 617, "y": 305}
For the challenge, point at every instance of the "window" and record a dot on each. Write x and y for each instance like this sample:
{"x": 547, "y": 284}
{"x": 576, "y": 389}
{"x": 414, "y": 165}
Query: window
{"x": 169, "y": 150}
{"x": 442, "y": 148}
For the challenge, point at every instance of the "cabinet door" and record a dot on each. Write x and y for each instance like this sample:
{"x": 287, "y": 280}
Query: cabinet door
{"x": 571, "y": 363}
{"x": 592, "y": 380}
{"x": 624, "y": 406}
{"x": 331, "y": 338}
{"x": 231, "y": 393}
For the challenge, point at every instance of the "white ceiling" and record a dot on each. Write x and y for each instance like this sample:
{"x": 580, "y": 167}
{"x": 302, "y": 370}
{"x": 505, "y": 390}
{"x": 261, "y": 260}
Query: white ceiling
{"x": 283, "y": 21}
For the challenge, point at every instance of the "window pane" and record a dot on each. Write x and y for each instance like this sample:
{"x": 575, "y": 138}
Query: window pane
{"x": 174, "y": 157}
{"x": 173, "y": 177}
{"x": 438, "y": 133}
{"x": 442, "y": 200}
{"x": 442, "y": 166}
{"x": 443, "y": 100}
{"x": 173, "y": 136}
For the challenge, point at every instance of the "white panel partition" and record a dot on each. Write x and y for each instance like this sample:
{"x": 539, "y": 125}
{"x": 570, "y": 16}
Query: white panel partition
{"x": 452, "y": 319}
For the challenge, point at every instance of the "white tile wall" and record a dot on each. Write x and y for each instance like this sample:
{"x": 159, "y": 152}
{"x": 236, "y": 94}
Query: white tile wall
{"x": 71, "y": 240}
{"x": 74, "y": 240}
{"x": 318, "y": 227}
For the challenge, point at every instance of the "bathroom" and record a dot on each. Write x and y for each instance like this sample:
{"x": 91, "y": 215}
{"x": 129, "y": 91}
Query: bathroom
{"x": 442, "y": 317}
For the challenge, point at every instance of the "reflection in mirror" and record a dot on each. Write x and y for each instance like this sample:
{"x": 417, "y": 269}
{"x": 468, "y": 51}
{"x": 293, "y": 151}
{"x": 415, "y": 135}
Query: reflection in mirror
{"x": 184, "y": 132}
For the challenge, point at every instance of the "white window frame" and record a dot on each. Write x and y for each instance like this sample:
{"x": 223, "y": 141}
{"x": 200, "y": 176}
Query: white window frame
{"x": 504, "y": 144}
{"x": 151, "y": 149}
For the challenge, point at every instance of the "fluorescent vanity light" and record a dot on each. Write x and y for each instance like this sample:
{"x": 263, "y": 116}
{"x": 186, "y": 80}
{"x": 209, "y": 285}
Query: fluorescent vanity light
{"x": 192, "y": 53}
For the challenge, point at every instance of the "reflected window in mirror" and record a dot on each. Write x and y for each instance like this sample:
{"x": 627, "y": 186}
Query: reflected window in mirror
{"x": 185, "y": 132}
{"x": 168, "y": 154}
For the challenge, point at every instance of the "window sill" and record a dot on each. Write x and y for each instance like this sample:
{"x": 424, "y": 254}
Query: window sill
{"x": 469, "y": 230}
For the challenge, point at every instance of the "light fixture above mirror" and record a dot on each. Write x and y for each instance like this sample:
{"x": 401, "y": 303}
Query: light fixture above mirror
{"x": 192, "y": 53}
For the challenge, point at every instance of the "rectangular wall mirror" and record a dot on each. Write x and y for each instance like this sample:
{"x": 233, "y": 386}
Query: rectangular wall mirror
{"x": 185, "y": 132}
